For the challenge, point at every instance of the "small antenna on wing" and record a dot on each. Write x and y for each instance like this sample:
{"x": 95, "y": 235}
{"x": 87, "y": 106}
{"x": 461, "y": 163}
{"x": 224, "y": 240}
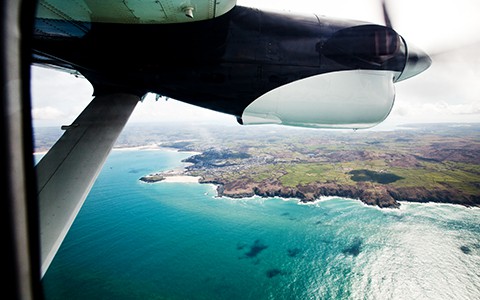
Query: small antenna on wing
{"x": 188, "y": 10}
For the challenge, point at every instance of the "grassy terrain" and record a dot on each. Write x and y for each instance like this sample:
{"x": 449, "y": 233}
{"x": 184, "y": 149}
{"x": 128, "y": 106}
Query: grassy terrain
{"x": 441, "y": 176}
{"x": 309, "y": 173}
{"x": 429, "y": 175}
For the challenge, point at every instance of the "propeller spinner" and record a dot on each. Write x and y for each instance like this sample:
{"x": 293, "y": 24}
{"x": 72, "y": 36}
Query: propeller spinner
{"x": 417, "y": 62}
{"x": 417, "y": 59}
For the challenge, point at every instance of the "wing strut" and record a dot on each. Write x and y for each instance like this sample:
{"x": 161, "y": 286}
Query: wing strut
{"x": 67, "y": 172}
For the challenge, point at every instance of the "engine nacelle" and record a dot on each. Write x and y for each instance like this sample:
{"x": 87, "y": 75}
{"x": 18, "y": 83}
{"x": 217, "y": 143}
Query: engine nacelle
{"x": 347, "y": 99}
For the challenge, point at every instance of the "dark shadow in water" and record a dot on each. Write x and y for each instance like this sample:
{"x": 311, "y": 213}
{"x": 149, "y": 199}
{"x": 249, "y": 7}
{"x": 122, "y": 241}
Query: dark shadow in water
{"x": 254, "y": 250}
{"x": 274, "y": 272}
{"x": 293, "y": 252}
{"x": 136, "y": 171}
{"x": 354, "y": 248}
{"x": 466, "y": 249}
{"x": 287, "y": 215}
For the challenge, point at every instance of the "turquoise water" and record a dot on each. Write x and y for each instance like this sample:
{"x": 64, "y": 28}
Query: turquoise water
{"x": 133, "y": 240}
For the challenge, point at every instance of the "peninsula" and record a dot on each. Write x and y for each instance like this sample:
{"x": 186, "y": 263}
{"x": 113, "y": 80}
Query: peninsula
{"x": 422, "y": 163}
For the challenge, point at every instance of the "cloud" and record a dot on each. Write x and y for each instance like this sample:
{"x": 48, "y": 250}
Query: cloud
{"x": 150, "y": 110}
{"x": 411, "y": 112}
{"x": 47, "y": 113}
{"x": 57, "y": 97}
{"x": 465, "y": 109}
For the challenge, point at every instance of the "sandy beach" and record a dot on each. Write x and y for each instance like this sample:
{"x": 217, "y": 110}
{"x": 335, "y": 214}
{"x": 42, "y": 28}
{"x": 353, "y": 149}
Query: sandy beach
{"x": 181, "y": 179}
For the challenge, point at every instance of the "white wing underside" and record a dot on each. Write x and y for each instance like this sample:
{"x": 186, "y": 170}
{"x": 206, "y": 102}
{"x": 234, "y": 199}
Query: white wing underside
{"x": 133, "y": 11}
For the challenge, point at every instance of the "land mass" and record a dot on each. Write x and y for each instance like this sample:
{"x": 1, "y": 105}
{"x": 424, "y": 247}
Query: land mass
{"x": 422, "y": 163}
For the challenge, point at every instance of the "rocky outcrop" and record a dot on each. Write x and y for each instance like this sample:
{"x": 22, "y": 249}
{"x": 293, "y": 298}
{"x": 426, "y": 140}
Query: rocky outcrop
{"x": 152, "y": 178}
{"x": 367, "y": 193}
{"x": 383, "y": 196}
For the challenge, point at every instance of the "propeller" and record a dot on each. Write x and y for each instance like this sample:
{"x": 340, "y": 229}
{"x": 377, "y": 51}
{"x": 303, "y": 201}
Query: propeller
{"x": 386, "y": 17}
{"x": 438, "y": 54}
{"x": 417, "y": 59}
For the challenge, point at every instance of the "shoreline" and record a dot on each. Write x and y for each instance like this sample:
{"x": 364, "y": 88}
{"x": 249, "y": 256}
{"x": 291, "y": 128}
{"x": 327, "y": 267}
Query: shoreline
{"x": 218, "y": 188}
{"x": 403, "y": 204}
{"x": 178, "y": 176}
{"x": 181, "y": 179}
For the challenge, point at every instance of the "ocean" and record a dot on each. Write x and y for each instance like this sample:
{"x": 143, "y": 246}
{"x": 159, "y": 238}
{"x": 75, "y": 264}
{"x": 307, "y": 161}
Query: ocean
{"x": 134, "y": 240}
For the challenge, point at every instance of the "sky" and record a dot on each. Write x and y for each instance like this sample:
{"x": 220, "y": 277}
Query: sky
{"x": 449, "y": 91}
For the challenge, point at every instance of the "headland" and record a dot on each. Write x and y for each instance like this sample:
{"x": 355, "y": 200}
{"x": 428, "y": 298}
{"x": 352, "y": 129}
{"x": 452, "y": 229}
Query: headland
{"x": 421, "y": 163}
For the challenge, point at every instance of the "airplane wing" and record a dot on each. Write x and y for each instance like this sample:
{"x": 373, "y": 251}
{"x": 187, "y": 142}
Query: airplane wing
{"x": 130, "y": 11}
{"x": 57, "y": 19}
{"x": 67, "y": 172}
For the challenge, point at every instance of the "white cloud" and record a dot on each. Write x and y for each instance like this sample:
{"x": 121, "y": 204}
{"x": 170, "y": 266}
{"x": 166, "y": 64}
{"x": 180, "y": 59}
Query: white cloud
{"x": 174, "y": 111}
{"x": 411, "y": 112}
{"x": 150, "y": 110}
{"x": 47, "y": 113}
{"x": 57, "y": 97}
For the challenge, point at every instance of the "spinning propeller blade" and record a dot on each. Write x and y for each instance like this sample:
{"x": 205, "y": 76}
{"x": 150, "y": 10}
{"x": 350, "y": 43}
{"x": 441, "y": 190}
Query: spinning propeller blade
{"x": 386, "y": 15}
{"x": 417, "y": 59}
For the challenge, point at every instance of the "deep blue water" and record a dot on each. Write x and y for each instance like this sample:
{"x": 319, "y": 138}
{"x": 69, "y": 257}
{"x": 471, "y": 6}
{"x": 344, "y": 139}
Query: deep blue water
{"x": 133, "y": 240}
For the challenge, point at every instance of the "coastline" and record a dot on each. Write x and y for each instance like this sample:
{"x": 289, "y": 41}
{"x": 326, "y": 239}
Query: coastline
{"x": 305, "y": 197}
{"x": 401, "y": 204}
{"x": 178, "y": 176}
{"x": 431, "y": 164}
{"x": 216, "y": 166}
